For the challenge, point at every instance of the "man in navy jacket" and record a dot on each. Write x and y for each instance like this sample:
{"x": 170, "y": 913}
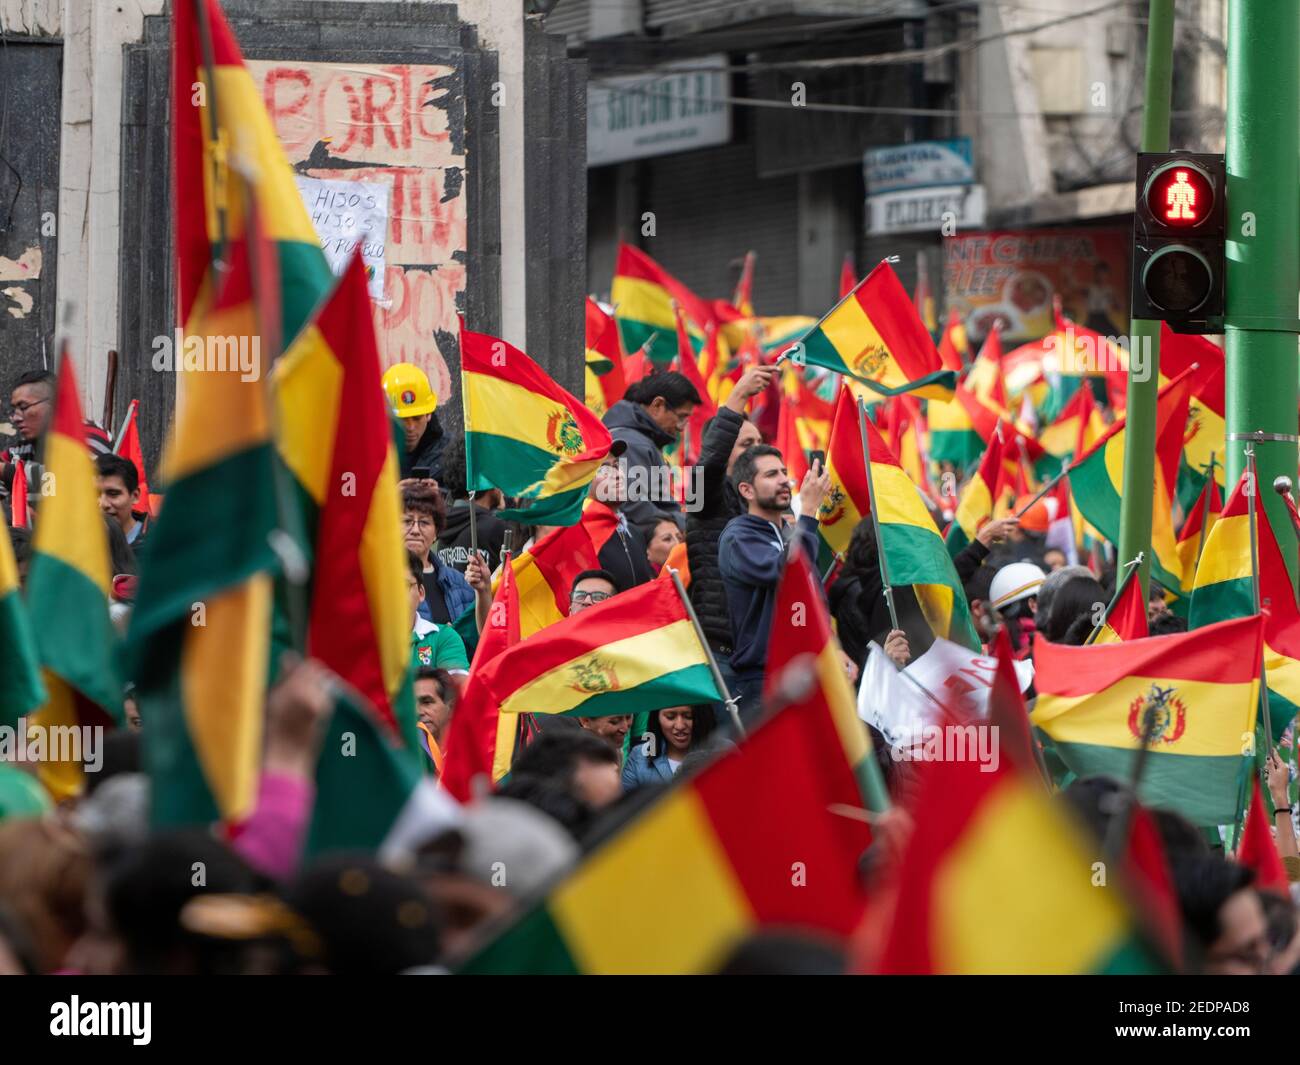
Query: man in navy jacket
{"x": 751, "y": 554}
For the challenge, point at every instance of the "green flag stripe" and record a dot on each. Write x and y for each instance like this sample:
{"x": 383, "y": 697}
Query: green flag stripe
{"x": 305, "y": 280}
{"x": 681, "y": 687}
{"x": 186, "y": 562}
{"x": 1201, "y": 788}
{"x": 534, "y": 946}
{"x": 1096, "y": 496}
{"x": 362, "y": 783}
{"x": 918, "y": 556}
{"x": 74, "y": 636}
{"x": 21, "y": 687}
{"x": 1222, "y": 601}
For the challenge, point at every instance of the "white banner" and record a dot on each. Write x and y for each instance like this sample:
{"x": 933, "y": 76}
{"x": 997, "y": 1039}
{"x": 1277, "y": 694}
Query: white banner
{"x": 347, "y": 214}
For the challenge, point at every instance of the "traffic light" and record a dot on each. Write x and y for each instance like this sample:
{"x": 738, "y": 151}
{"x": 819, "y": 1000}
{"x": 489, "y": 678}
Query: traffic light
{"x": 1178, "y": 240}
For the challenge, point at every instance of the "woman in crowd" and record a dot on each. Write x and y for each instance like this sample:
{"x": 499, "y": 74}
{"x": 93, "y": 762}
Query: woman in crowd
{"x": 674, "y": 733}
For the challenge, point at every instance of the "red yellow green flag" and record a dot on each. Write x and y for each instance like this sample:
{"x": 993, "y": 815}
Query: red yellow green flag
{"x": 480, "y": 736}
{"x": 68, "y": 592}
{"x": 874, "y": 334}
{"x": 643, "y": 293}
{"x": 1075, "y": 429}
{"x": 1097, "y": 480}
{"x": 544, "y": 573}
{"x": 954, "y": 344}
{"x": 1224, "y": 588}
{"x": 978, "y": 496}
{"x": 200, "y": 632}
{"x": 21, "y": 687}
{"x": 1206, "y": 431}
{"x": 914, "y": 550}
{"x": 989, "y": 884}
{"x": 1196, "y": 529}
{"x": 1126, "y": 619}
{"x": 605, "y": 381}
{"x": 727, "y": 837}
{"x": 246, "y": 139}
{"x": 1204, "y": 689}
{"x": 525, "y": 434}
{"x": 360, "y": 624}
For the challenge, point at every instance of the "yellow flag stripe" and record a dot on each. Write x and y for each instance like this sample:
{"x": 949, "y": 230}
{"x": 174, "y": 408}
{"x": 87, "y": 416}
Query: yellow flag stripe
{"x": 673, "y": 854}
{"x": 71, "y": 528}
{"x": 638, "y": 659}
{"x": 1216, "y": 718}
{"x": 308, "y": 381}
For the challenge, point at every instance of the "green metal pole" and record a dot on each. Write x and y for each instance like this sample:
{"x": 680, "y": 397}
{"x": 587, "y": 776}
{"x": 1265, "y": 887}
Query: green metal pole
{"x": 1263, "y": 250}
{"x": 1144, "y": 334}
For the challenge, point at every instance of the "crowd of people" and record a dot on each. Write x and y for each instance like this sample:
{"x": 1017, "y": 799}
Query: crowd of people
{"x": 88, "y": 886}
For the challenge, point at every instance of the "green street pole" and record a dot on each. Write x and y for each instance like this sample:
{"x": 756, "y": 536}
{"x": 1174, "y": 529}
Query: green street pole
{"x": 1144, "y": 334}
{"x": 1263, "y": 246}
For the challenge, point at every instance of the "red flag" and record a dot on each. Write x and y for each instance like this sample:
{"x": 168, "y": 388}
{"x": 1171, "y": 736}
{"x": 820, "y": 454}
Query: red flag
{"x": 20, "y": 517}
{"x": 743, "y": 300}
{"x": 128, "y": 446}
{"x": 602, "y": 340}
{"x": 1258, "y": 852}
{"x": 848, "y": 277}
{"x": 1007, "y": 711}
{"x": 953, "y": 344}
{"x": 477, "y": 729}
{"x": 689, "y": 367}
{"x": 1148, "y": 878}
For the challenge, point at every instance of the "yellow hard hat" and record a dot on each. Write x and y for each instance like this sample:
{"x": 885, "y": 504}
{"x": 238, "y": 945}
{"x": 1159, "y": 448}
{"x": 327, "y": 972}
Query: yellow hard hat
{"x": 409, "y": 391}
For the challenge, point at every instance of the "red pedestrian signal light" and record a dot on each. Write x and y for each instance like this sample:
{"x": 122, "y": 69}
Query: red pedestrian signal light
{"x": 1179, "y": 240}
{"x": 1180, "y": 195}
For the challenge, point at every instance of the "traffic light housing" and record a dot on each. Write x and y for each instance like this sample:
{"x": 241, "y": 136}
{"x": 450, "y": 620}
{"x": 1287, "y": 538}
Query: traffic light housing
{"x": 1178, "y": 240}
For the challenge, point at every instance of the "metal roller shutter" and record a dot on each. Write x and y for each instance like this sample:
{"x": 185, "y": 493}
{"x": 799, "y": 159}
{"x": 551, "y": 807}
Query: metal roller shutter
{"x": 710, "y": 208}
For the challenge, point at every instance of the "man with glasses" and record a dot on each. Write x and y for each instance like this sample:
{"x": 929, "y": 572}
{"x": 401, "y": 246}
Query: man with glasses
{"x": 590, "y": 588}
{"x": 31, "y": 407}
{"x": 649, "y": 417}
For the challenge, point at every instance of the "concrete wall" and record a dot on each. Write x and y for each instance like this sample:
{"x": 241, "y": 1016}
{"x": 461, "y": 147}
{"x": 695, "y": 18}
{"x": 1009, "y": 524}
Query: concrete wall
{"x": 94, "y": 33}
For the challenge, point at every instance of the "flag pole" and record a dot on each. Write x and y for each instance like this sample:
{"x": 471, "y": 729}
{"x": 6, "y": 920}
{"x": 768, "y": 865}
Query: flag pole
{"x": 209, "y": 69}
{"x": 1042, "y": 492}
{"x": 875, "y": 515}
{"x": 1118, "y": 832}
{"x": 1129, "y": 569}
{"x": 727, "y": 698}
{"x": 1251, "y": 492}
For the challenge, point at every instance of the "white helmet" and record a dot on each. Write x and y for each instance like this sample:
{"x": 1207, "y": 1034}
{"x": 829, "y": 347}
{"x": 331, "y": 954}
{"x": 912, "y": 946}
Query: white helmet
{"x": 1014, "y": 582}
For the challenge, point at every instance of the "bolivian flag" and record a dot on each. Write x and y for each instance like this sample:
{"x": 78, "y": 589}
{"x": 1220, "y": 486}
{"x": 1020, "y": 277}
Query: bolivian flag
{"x": 1126, "y": 619}
{"x": 634, "y": 652}
{"x": 1204, "y": 686}
{"x": 978, "y": 495}
{"x": 801, "y": 629}
{"x": 1195, "y": 533}
{"x": 874, "y": 334}
{"x": 954, "y": 344}
{"x": 21, "y": 687}
{"x": 360, "y": 619}
{"x": 201, "y": 630}
{"x": 544, "y": 574}
{"x": 244, "y": 136}
{"x": 914, "y": 550}
{"x": 1073, "y": 355}
{"x": 525, "y": 434}
{"x": 952, "y": 434}
{"x": 68, "y": 592}
{"x": 1206, "y": 431}
{"x": 1224, "y": 588}
{"x": 605, "y": 384}
{"x": 479, "y": 736}
{"x": 1097, "y": 480}
{"x": 643, "y": 293}
{"x": 995, "y": 880}
{"x": 1075, "y": 429}
{"x": 751, "y": 840}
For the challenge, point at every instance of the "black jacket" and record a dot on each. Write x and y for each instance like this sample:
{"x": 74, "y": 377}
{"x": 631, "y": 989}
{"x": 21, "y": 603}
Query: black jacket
{"x": 719, "y": 503}
{"x": 624, "y": 556}
{"x": 874, "y": 610}
{"x": 629, "y": 422}
{"x": 427, "y": 450}
{"x": 453, "y": 545}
